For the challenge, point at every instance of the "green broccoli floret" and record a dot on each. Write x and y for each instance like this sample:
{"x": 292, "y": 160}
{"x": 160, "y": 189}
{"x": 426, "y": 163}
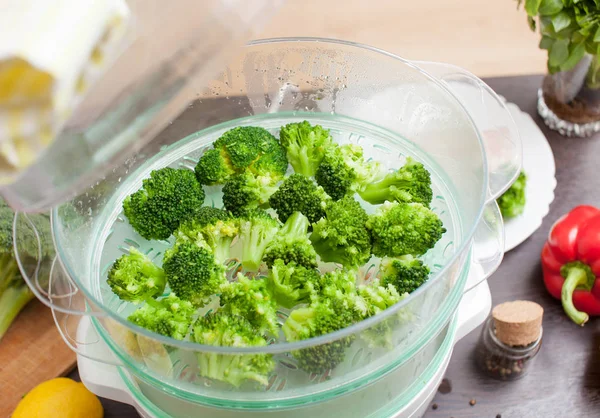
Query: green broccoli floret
{"x": 215, "y": 226}
{"x": 242, "y": 149}
{"x": 405, "y": 273}
{"x": 247, "y": 191}
{"x": 272, "y": 163}
{"x": 299, "y": 194}
{"x": 411, "y": 183}
{"x": 192, "y": 272}
{"x": 341, "y": 236}
{"x": 512, "y": 202}
{"x": 292, "y": 284}
{"x": 344, "y": 171}
{"x": 291, "y": 244}
{"x": 214, "y": 167}
{"x": 170, "y": 316}
{"x": 335, "y": 305}
{"x": 305, "y": 146}
{"x": 375, "y": 298}
{"x": 404, "y": 228}
{"x": 250, "y": 298}
{"x": 340, "y": 286}
{"x": 223, "y": 329}
{"x": 257, "y": 229}
{"x": 135, "y": 278}
{"x": 319, "y": 318}
{"x": 245, "y": 144}
{"x": 165, "y": 198}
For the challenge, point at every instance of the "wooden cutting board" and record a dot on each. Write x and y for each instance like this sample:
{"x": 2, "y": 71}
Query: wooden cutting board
{"x": 32, "y": 351}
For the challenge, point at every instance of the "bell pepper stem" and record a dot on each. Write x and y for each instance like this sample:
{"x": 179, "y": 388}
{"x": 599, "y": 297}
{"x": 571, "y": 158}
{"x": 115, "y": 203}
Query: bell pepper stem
{"x": 576, "y": 277}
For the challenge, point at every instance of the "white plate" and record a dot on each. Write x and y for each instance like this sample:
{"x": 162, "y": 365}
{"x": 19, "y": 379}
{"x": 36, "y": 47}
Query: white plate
{"x": 538, "y": 164}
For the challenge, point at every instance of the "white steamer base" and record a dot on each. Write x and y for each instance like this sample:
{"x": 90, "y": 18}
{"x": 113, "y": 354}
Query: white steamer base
{"x": 107, "y": 382}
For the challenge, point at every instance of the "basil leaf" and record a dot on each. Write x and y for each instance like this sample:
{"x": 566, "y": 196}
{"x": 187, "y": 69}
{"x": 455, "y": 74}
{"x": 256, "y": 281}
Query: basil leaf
{"x": 597, "y": 35}
{"x": 561, "y": 21}
{"x": 575, "y": 54}
{"x": 550, "y": 7}
{"x": 531, "y": 22}
{"x": 591, "y": 47}
{"x": 546, "y": 42}
{"x": 558, "y": 53}
{"x": 532, "y": 6}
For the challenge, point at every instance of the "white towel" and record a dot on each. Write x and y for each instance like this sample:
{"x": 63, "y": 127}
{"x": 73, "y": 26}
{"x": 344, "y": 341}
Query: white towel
{"x": 50, "y": 53}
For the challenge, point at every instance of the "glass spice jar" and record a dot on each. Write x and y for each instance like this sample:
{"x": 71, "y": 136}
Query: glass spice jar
{"x": 501, "y": 361}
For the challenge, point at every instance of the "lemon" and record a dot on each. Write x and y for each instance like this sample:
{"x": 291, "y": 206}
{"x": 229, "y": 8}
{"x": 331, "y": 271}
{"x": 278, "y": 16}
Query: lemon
{"x": 60, "y": 397}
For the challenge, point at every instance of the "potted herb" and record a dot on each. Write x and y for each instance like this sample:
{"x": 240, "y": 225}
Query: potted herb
{"x": 569, "y": 100}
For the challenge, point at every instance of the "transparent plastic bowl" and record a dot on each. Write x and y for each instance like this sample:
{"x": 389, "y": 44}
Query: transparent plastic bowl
{"x": 441, "y": 115}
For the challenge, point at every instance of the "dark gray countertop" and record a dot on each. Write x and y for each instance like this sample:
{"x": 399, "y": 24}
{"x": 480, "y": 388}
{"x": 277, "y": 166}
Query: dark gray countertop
{"x": 564, "y": 381}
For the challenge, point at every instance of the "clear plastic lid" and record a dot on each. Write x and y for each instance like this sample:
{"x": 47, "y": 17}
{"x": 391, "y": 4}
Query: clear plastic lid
{"x": 166, "y": 53}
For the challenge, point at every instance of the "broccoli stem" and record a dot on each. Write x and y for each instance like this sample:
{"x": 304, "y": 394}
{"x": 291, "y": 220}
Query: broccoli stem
{"x": 8, "y": 270}
{"x": 253, "y": 249}
{"x": 306, "y": 167}
{"x": 295, "y": 226}
{"x": 223, "y": 249}
{"x": 12, "y": 300}
{"x": 295, "y": 324}
{"x": 377, "y": 193}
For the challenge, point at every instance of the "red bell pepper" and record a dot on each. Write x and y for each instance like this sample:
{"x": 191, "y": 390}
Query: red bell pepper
{"x": 571, "y": 263}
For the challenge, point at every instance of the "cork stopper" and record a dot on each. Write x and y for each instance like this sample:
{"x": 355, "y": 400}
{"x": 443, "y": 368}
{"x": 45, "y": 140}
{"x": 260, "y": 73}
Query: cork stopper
{"x": 518, "y": 323}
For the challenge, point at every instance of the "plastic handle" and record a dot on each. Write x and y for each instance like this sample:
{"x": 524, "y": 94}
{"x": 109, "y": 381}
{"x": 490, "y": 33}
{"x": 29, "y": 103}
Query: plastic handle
{"x": 86, "y": 344}
{"x": 43, "y": 272}
{"x": 496, "y": 125}
{"x": 488, "y": 244}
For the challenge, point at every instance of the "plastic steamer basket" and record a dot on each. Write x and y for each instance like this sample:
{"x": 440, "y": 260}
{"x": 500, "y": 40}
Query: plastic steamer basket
{"x": 441, "y": 115}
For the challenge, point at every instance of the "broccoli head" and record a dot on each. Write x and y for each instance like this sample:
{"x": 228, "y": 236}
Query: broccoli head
{"x": 242, "y": 149}
{"x": 247, "y": 191}
{"x": 292, "y": 284}
{"x": 165, "y": 198}
{"x": 192, "y": 272}
{"x": 298, "y": 193}
{"x": 319, "y": 318}
{"x": 343, "y": 171}
{"x": 257, "y": 229}
{"x": 224, "y": 329}
{"x": 305, "y": 145}
{"x": 405, "y": 273}
{"x": 339, "y": 287}
{"x": 135, "y": 278}
{"x": 411, "y": 183}
{"x": 376, "y": 298}
{"x": 404, "y": 228}
{"x": 372, "y": 299}
{"x": 250, "y": 298}
{"x": 291, "y": 244}
{"x": 512, "y": 202}
{"x": 170, "y": 317}
{"x": 214, "y": 167}
{"x": 341, "y": 236}
{"x": 215, "y": 226}
{"x": 272, "y": 163}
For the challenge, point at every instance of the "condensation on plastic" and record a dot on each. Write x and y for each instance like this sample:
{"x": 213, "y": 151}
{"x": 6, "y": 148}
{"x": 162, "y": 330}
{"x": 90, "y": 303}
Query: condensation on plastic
{"x": 309, "y": 77}
{"x": 499, "y": 132}
{"x": 168, "y": 54}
